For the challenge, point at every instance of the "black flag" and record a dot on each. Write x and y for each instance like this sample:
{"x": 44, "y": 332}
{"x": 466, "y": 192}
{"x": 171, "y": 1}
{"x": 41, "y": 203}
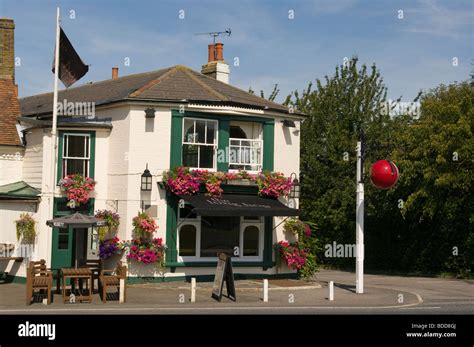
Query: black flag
{"x": 71, "y": 67}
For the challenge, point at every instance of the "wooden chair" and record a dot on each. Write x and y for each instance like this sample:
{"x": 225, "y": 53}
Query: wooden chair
{"x": 111, "y": 278}
{"x": 95, "y": 265}
{"x": 38, "y": 277}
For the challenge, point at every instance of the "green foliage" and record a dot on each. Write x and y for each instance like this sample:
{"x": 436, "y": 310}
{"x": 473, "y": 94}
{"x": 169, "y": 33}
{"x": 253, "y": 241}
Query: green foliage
{"x": 306, "y": 233}
{"x": 272, "y": 95}
{"x": 434, "y": 191}
{"x": 25, "y": 228}
{"x": 436, "y": 156}
{"x": 309, "y": 268}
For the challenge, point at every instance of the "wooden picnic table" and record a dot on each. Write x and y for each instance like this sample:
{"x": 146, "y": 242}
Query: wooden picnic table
{"x": 76, "y": 275}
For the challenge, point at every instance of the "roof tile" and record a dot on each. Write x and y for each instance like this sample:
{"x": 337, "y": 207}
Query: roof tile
{"x": 173, "y": 84}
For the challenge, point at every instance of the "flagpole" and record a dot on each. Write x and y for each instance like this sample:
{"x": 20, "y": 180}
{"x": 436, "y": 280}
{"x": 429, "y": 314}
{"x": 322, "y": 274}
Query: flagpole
{"x": 52, "y": 181}
{"x": 55, "y": 102}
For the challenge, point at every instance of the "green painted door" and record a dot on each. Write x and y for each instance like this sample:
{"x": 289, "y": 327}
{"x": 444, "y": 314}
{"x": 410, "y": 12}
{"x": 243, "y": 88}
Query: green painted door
{"x": 63, "y": 246}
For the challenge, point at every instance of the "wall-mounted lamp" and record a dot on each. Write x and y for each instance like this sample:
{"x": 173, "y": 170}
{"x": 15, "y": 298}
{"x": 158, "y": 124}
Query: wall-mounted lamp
{"x": 150, "y": 113}
{"x": 295, "y": 189}
{"x": 146, "y": 180}
{"x": 289, "y": 123}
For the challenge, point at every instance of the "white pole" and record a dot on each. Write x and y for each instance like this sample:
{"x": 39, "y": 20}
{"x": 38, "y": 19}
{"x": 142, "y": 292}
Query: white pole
{"x": 331, "y": 291}
{"x": 193, "y": 289}
{"x": 55, "y": 105}
{"x": 52, "y": 179}
{"x": 122, "y": 291}
{"x": 265, "y": 290}
{"x": 359, "y": 224}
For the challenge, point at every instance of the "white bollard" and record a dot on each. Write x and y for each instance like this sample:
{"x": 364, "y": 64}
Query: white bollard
{"x": 122, "y": 291}
{"x": 193, "y": 289}
{"x": 265, "y": 290}
{"x": 331, "y": 291}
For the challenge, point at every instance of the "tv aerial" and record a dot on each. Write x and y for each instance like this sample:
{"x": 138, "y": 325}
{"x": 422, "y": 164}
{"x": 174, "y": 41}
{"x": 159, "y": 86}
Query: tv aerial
{"x": 215, "y": 34}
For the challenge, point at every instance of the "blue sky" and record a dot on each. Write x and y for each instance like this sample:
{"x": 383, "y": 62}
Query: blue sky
{"x": 413, "y": 53}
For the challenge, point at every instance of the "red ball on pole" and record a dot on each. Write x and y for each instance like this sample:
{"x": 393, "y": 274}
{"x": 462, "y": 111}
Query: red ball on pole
{"x": 384, "y": 174}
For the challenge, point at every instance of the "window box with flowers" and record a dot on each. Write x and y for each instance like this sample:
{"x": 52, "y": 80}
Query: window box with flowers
{"x": 184, "y": 181}
{"x": 77, "y": 189}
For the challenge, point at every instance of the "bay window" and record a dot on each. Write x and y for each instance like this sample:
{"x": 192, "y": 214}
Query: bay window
{"x": 202, "y": 238}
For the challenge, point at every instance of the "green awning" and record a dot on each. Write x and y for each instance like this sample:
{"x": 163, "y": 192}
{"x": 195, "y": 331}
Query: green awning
{"x": 19, "y": 191}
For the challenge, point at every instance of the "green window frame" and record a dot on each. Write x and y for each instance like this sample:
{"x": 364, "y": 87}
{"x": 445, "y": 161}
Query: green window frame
{"x": 223, "y": 141}
{"x": 61, "y": 137}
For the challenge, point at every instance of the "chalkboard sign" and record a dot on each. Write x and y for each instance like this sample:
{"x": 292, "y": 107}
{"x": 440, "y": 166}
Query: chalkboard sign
{"x": 224, "y": 272}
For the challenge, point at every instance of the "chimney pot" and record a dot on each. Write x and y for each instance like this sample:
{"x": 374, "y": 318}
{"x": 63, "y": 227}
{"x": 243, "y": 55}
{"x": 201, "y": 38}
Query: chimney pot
{"x": 115, "y": 73}
{"x": 216, "y": 67}
{"x": 219, "y": 51}
{"x": 211, "y": 55}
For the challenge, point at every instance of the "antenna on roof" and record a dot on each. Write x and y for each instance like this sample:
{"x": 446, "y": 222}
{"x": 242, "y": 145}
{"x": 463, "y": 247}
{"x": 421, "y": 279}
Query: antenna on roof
{"x": 215, "y": 34}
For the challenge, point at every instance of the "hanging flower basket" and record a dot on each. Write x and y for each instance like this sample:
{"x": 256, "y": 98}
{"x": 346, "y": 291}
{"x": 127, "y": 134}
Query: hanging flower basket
{"x": 144, "y": 225}
{"x": 77, "y": 189}
{"x": 297, "y": 227}
{"x": 25, "y": 228}
{"x": 109, "y": 247}
{"x": 291, "y": 254}
{"x": 111, "y": 218}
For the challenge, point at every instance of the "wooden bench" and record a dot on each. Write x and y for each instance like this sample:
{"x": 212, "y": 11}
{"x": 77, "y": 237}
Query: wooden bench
{"x": 38, "y": 277}
{"x": 111, "y": 278}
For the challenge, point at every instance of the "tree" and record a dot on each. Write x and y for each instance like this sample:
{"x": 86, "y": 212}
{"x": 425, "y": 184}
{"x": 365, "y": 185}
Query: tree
{"x": 436, "y": 156}
{"x": 272, "y": 95}
{"x": 340, "y": 109}
{"x": 424, "y": 224}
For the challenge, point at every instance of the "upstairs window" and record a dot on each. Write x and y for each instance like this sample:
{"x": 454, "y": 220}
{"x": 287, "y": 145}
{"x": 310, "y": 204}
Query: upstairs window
{"x": 76, "y": 154}
{"x": 199, "y": 143}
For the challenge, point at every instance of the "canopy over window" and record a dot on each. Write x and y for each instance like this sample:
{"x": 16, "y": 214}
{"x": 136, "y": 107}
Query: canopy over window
{"x": 238, "y": 205}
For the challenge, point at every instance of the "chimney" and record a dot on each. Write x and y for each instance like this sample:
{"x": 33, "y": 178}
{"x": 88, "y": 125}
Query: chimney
{"x": 211, "y": 55}
{"x": 115, "y": 73}
{"x": 216, "y": 67}
{"x": 7, "y": 51}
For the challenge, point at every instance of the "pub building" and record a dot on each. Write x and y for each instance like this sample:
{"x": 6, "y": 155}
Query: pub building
{"x": 143, "y": 125}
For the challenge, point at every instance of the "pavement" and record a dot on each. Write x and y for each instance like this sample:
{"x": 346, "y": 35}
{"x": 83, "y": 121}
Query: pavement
{"x": 382, "y": 295}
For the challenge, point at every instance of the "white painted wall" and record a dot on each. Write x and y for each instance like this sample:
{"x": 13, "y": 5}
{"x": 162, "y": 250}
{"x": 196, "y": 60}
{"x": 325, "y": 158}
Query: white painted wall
{"x": 33, "y": 162}
{"x": 287, "y": 161}
{"x": 150, "y": 141}
{"x": 121, "y": 156}
{"x": 11, "y": 164}
{"x": 10, "y": 212}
